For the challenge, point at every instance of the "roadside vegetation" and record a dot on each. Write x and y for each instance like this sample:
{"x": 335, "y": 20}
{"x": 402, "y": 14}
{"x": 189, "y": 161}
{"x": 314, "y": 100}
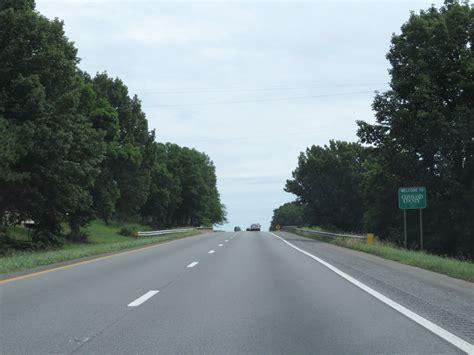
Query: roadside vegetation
{"x": 461, "y": 269}
{"x": 422, "y": 136}
{"x": 76, "y": 147}
{"x": 102, "y": 238}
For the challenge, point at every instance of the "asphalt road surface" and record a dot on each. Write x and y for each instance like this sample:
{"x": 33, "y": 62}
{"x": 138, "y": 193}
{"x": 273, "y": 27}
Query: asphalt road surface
{"x": 219, "y": 293}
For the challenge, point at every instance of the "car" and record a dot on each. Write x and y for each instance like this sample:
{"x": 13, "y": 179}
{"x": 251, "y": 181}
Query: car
{"x": 237, "y": 229}
{"x": 255, "y": 227}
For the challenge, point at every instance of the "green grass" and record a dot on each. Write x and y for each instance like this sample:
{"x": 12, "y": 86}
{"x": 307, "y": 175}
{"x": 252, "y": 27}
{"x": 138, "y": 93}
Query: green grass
{"x": 450, "y": 266}
{"x": 102, "y": 239}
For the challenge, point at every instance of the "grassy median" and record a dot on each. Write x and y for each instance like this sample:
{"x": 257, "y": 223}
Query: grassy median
{"x": 450, "y": 266}
{"x": 102, "y": 239}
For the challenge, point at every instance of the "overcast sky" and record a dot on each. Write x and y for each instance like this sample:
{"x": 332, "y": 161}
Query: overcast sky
{"x": 252, "y": 84}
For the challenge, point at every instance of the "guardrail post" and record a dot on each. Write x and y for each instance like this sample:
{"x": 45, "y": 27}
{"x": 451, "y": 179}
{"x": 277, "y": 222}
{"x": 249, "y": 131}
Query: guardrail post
{"x": 370, "y": 238}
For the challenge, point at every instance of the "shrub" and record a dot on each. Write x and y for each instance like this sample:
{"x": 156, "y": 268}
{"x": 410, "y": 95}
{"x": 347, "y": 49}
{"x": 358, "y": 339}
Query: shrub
{"x": 129, "y": 231}
{"x": 126, "y": 231}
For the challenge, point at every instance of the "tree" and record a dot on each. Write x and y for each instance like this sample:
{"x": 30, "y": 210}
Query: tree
{"x": 74, "y": 147}
{"x": 104, "y": 118}
{"x": 165, "y": 192}
{"x": 327, "y": 182}
{"x": 424, "y": 126}
{"x": 130, "y": 159}
{"x": 183, "y": 189}
{"x": 288, "y": 214}
{"x": 53, "y": 152}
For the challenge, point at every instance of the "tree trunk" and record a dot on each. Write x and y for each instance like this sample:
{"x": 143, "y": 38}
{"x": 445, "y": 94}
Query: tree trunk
{"x": 75, "y": 225}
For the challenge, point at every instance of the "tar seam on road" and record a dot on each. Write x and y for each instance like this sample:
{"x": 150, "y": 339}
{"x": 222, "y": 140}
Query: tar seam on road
{"x": 193, "y": 264}
{"x": 143, "y": 298}
{"x": 92, "y": 338}
{"x": 441, "y": 332}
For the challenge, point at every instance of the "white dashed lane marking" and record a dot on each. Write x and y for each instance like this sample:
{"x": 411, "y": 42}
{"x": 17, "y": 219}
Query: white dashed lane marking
{"x": 143, "y": 298}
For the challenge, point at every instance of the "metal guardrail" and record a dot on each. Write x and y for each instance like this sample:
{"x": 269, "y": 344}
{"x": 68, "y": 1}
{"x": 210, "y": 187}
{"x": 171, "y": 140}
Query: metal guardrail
{"x": 169, "y": 231}
{"x": 161, "y": 232}
{"x": 326, "y": 234}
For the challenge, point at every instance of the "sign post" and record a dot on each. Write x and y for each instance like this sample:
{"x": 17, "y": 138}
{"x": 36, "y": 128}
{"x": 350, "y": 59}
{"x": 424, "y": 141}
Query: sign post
{"x": 410, "y": 198}
{"x": 405, "y": 228}
{"x": 421, "y": 229}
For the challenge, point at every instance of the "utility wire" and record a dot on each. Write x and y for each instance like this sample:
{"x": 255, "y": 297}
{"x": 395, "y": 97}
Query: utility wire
{"x": 260, "y": 100}
{"x": 237, "y": 89}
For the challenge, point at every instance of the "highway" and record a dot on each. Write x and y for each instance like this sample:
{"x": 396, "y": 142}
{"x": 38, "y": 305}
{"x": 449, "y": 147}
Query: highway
{"x": 221, "y": 293}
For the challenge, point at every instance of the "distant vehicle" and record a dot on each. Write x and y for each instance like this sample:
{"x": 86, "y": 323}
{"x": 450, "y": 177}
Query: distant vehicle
{"x": 254, "y": 227}
{"x": 237, "y": 229}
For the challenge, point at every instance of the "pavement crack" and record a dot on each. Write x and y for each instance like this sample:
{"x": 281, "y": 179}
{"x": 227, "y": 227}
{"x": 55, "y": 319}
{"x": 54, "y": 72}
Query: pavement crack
{"x": 101, "y": 331}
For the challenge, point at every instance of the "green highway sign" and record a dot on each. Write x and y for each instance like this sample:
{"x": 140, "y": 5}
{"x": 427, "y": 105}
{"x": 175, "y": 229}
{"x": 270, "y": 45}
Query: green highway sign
{"x": 411, "y": 198}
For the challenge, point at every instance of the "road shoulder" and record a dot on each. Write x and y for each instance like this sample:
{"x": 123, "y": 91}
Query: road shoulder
{"x": 439, "y": 298}
{"x": 7, "y": 277}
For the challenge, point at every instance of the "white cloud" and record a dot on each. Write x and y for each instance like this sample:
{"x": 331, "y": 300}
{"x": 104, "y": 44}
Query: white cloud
{"x": 174, "y": 30}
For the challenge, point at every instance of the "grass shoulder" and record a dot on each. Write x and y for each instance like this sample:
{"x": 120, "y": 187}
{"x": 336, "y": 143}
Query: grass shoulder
{"x": 103, "y": 238}
{"x": 445, "y": 265}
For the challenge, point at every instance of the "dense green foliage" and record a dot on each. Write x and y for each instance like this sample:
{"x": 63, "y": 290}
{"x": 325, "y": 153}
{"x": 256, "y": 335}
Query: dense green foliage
{"x": 423, "y": 136}
{"x": 130, "y": 157}
{"x": 183, "y": 189}
{"x": 75, "y": 147}
{"x": 327, "y": 181}
{"x": 424, "y": 126}
{"x": 53, "y": 152}
{"x": 288, "y": 214}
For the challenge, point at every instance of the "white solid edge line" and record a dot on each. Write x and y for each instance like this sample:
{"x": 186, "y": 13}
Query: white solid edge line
{"x": 442, "y": 333}
{"x": 193, "y": 264}
{"x": 143, "y": 298}
{"x": 211, "y": 251}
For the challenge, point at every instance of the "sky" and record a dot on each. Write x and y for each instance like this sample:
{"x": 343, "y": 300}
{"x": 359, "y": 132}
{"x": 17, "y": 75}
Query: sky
{"x": 250, "y": 83}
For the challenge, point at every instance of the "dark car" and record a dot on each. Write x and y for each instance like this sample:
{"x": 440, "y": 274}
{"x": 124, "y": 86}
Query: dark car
{"x": 255, "y": 227}
{"x": 237, "y": 229}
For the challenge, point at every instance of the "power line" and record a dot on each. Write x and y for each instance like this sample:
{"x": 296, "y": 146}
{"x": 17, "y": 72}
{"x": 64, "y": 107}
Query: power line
{"x": 240, "y": 89}
{"x": 260, "y": 100}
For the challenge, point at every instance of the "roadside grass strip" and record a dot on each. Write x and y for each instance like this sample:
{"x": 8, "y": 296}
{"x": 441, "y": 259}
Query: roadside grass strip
{"x": 102, "y": 240}
{"x": 445, "y": 265}
{"x": 441, "y": 332}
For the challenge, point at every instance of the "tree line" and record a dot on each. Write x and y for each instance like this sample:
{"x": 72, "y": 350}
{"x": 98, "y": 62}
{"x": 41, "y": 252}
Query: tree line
{"x": 75, "y": 147}
{"x": 423, "y": 135}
